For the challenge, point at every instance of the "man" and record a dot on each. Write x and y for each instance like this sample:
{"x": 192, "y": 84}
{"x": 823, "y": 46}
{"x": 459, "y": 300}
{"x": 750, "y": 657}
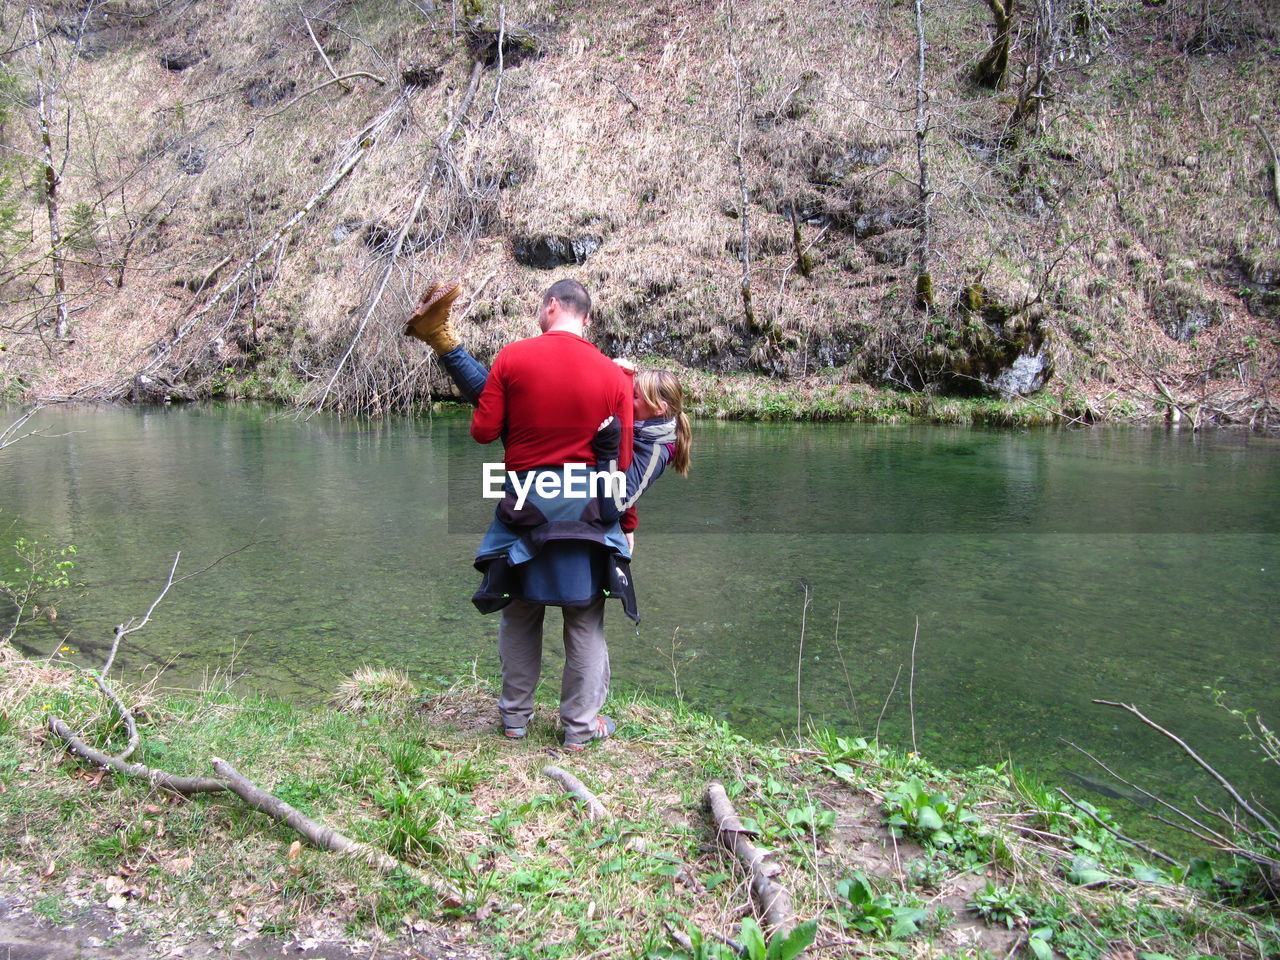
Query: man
{"x": 545, "y": 397}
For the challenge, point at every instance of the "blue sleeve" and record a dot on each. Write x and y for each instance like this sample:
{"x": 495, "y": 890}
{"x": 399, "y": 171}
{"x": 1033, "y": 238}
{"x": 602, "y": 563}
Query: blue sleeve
{"x": 467, "y": 372}
{"x": 648, "y": 460}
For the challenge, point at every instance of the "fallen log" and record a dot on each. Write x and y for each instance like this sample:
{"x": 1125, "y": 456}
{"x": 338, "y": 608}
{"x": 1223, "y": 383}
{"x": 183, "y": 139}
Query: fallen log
{"x": 761, "y": 868}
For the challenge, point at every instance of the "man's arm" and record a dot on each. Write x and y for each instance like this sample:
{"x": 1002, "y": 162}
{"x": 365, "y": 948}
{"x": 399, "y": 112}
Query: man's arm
{"x": 491, "y": 410}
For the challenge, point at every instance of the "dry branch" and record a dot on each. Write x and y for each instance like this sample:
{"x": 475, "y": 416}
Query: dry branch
{"x": 318, "y": 87}
{"x": 774, "y": 900}
{"x": 139, "y": 771}
{"x": 1222, "y": 781}
{"x": 326, "y": 838}
{"x": 365, "y": 142}
{"x": 441, "y": 153}
{"x": 591, "y": 803}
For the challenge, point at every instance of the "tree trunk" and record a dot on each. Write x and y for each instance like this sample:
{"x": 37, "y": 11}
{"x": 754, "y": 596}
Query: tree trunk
{"x": 748, "y": 313}
{"x": 924, "y": 282}
{"x": 50, "y": 185}
{"x": 994, "y": 65}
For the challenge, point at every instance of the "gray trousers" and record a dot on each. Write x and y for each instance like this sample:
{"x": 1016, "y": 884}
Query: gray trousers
{"x": 585, "y": 683}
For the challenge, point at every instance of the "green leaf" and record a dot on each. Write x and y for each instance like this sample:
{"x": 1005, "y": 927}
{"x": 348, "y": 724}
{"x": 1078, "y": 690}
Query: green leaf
{"x": 794, "y": 943}
{"x": 1155, "y": 956}
{"x": 713, "y": 880}
{"x": 1085, "y": 843}
{"x": 752, "y": 940}
{"x": 1199, "y": 874}
{"x": 1146, "y": 873}
{"x": 1041, "y": 949}
{"x": 1083, "y": 877}
{"x": 668, "y": 870}
{"x": 928, "y": 819}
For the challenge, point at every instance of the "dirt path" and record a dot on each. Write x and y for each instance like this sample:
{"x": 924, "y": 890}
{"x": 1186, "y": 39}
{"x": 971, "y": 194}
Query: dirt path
{"x": 96, "y": 934}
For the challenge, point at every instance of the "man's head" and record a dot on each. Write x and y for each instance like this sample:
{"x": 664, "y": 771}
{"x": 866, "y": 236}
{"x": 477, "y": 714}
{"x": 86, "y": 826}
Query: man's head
{"x": 565, "y": 306}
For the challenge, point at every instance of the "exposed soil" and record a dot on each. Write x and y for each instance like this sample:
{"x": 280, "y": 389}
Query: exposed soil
{"x": 98, "y": 932}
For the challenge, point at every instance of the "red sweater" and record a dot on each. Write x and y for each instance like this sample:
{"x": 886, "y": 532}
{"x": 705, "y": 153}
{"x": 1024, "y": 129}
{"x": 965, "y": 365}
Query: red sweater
{"x": 546, "y": 396}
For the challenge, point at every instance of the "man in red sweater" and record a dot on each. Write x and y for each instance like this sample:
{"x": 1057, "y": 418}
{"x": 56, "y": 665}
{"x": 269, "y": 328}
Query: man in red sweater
{"x": 546, "y": 397}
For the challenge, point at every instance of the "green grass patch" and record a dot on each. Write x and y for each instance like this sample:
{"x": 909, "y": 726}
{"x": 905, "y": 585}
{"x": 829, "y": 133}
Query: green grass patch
{"x": 884, "y": 853}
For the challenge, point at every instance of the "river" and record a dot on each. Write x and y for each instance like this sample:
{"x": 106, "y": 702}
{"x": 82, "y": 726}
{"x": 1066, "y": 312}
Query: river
{"x": 782, "y": 583}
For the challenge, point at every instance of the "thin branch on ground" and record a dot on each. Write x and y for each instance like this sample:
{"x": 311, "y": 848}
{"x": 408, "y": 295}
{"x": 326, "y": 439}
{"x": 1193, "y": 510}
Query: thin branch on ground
{"x": 594, "y": 809}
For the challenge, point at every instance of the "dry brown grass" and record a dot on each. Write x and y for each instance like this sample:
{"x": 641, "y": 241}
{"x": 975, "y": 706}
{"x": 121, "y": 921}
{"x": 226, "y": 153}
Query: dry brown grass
{"x": 1148, "y": 171}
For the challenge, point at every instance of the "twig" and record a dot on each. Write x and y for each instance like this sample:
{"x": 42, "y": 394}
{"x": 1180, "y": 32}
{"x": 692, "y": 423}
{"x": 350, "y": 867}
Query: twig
{"x": 319, "y": 49}
{"x": 887, "y": 698}
{"x": 853, "y": 703}
{"x": 911, "y": 686}
{"x": 1222, "y": 781}
{"x": 774, "y": 900}
{"x": 804, "y": 617}
{"x": 475, "y": 297}
{"x": 591, "y": 803}
{"x": 441, "y": 147}
{"x": 9, "y": 435}
{"x": 1216, "y": 837}
{"x": 1112, "y": 830}
{"x": 100, "y": 678}
{"x": 326, "y": 838}
{"x": 363, "y": 146}
{"x": 316, "y": 89}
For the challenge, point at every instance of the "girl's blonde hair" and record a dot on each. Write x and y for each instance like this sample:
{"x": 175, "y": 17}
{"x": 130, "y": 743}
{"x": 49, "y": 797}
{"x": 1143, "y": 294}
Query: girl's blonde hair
{"x": 659, "y": 387}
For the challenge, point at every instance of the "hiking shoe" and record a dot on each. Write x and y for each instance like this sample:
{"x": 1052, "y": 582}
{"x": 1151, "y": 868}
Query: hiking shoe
{"x": 604, "y": 728}
{"x": 515, "y": 733}
{"x": 430, "y": 321}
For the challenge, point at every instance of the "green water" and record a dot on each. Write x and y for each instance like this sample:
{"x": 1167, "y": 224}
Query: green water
{"x": 1046, "y": 569}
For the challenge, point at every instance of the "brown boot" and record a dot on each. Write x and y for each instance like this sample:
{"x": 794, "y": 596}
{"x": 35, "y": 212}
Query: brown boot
{"x": 430, "y": 322}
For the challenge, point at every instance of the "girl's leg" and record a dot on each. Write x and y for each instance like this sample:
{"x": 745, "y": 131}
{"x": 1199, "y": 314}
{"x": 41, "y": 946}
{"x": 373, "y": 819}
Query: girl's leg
{"x": 466, "y": 371}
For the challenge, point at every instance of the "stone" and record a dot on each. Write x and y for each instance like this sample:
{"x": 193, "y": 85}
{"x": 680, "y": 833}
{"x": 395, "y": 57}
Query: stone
{"x": 1182, "y": 311}
{"x": 1027, "y": 374}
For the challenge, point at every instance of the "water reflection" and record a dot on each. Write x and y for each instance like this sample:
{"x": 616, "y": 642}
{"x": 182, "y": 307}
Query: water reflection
{"x": 1047, "y": 569}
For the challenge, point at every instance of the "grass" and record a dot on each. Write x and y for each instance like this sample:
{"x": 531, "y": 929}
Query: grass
{"x": 427, "y": 780}
{"x": 1148, "y": 172}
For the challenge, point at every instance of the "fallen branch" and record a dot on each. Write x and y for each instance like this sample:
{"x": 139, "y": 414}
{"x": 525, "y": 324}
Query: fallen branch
{"x": 442, "y": 146}
{"x": 318, "y": 87}
{"x": 139, "y": 771}
{"x": 326, "y": 838}
{"x": 774, "y": 900}
{"x": 591, "y": 803}
{"x": 365, "y": 142}
{"x": 1150, "y": 851}
{"x": 319, "y": 49}
{"x": 1222, "y": 781}
{"x": 10, "y": 435}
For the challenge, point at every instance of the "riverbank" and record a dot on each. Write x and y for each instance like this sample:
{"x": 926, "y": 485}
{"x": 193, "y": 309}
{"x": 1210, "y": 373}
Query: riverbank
{"x": 985, "y": 863}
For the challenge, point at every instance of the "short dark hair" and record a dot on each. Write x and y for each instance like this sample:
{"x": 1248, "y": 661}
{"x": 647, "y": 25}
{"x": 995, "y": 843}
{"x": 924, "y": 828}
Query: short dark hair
{"x": 572, "y": 295}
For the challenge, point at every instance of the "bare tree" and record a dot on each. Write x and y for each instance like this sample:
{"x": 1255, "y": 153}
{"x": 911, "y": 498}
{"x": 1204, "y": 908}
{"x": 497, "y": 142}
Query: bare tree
{"x": 50, "y": 180}
{"x": 924, "y": 282}
{"x": 748, "y": 313}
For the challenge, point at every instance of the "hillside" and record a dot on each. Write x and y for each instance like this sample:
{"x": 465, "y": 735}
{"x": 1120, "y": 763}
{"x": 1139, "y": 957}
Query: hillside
{"x": 1100, "y": 230}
